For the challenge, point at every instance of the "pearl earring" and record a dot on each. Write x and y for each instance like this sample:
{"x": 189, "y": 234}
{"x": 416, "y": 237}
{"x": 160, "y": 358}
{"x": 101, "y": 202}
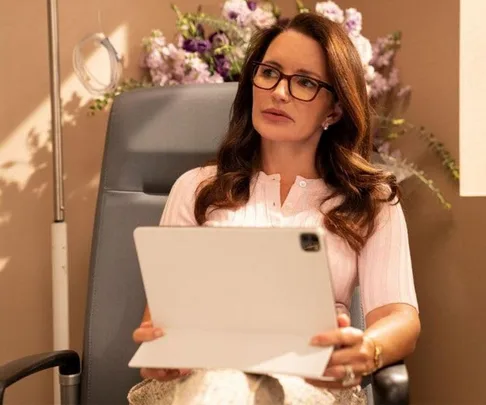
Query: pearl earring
{"x": 325, "y": 127}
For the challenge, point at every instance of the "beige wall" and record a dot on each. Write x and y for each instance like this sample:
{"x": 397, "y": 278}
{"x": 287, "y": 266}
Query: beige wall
{"x": 448, "y": 247}
{"x": 26, "y": 208}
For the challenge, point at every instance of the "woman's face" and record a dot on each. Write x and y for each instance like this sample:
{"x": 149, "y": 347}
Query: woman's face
{"x": 276, "y": 114}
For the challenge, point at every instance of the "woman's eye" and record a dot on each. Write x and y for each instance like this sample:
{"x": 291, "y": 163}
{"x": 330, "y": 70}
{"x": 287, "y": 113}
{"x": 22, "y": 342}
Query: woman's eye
{"x": 308, "y": 83}
{"x": 269, "y": 72}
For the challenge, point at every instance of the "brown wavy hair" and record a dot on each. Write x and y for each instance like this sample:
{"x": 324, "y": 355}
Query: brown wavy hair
{"x": 343, "y": 153}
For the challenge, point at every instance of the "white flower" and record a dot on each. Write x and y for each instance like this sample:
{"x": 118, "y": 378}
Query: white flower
{"x": 364, "y": 48}
{"x": 197, "y": 71}
{"x": 263, "y": 18}
{"x": 239, "y": 52}
{"x": 353, "y": 21}
{"x": 237, "y": 10}
{"x": 159, "y": 77}
{"x": 369, "y": 73}
{"x": 215, "y": 78}
{"x": 157, "y": 38}
{"x": 330, "y": 10}
{"x": 246, "y": 35}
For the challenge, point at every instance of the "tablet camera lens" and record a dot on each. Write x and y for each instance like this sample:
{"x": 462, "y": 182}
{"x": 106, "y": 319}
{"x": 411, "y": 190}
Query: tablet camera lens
{"x": 309, "y": 242}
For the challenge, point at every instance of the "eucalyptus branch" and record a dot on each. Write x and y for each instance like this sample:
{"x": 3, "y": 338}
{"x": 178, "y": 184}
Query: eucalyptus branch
{"x": 219, "y": 24}
{"x": 398, "y": 127}
{"x": 101, "y": 103}
{"x": 412, "y": 168}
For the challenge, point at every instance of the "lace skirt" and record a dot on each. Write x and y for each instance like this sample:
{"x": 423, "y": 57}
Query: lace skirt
{"x": 231, "y": 387}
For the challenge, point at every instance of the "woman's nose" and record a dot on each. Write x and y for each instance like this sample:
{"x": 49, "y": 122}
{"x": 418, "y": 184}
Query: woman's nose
{"x": 281, "y": 91}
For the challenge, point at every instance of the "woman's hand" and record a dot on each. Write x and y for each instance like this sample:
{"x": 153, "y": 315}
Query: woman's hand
{"x": 145, "y": 333}
{"x": 352, "y": 358}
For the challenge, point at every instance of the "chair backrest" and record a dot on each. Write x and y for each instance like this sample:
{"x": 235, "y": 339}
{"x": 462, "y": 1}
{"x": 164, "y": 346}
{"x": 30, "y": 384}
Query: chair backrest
{"x": 154, "y": 135}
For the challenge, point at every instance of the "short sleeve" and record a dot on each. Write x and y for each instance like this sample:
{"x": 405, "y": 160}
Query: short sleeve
{"x": 385, "y": 265}
{"x": 179, "y": 208}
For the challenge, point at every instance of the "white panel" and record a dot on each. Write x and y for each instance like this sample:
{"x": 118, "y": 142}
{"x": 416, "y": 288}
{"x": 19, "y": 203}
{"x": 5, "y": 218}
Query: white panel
{"x": 472, "y": 105}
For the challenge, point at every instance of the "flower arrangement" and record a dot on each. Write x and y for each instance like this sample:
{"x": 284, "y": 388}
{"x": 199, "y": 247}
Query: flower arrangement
{"x": 211, "y": 50}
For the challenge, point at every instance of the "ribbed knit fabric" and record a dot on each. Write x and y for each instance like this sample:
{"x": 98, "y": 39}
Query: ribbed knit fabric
{"x": 383, "y": 269}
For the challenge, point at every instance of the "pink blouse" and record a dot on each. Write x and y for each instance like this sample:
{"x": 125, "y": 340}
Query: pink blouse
{"x": 383, "y": 270}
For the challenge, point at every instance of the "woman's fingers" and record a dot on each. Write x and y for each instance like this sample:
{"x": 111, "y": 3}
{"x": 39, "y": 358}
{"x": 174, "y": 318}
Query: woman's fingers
{"x": 356, "y": 354}
{"x": 343, "y": 320}
{"x": 325, "y": 384}
{"x": 339, "y": 371}
{"x": 347, "y": 336}
{"x": 163, "y": 374}
{"x": 146, "y": 334}
{"x": 341, "y": 376}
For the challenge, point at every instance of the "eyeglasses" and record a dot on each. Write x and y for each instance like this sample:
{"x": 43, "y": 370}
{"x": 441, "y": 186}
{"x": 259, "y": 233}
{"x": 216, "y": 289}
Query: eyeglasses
{"x": 301, "y": 87}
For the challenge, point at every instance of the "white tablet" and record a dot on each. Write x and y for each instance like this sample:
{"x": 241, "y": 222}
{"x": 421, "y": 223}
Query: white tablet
{"x": 238, "y": 298}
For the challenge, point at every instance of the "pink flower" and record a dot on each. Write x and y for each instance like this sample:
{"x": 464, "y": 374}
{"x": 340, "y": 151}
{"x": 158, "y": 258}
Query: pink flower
{"x": 393, "y": 78}
{"x": 237, "y": 10}
{"x": 159, "y": 77}
{"x": 353, "y": 21}
{"x": 378, "y": 86}
{"x": 154, "y": 59}
{"x": 262, "y": 18}
{"x": 330, "y": 10}
{"x": 382, "y": 52}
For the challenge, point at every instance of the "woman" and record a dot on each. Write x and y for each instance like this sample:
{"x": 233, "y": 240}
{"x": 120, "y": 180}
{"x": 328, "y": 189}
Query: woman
{"x": 297, "y": 154}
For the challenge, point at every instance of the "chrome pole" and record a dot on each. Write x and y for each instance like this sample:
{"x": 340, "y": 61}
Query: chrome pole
{"x": 55, "y": 91}
{"x": 60, "y": 280}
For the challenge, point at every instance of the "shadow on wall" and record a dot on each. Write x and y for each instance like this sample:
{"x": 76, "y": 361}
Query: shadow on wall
{"x": 26, "y": 206}
{"x": 26, "y": 214}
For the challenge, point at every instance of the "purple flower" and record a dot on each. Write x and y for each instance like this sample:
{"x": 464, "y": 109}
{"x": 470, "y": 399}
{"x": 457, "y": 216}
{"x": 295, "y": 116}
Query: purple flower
{"x": 196, "y": 45}
{"x": 203, "y": 46}
{"x": 222, "y": 65}
{"x": 252, "y": 5}
{"x": 218, "y": 39}
{"x": 353, "y": 21}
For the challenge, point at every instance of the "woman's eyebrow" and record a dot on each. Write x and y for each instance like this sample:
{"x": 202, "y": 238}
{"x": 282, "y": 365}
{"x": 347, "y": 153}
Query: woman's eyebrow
{"x": 302, "y": 71}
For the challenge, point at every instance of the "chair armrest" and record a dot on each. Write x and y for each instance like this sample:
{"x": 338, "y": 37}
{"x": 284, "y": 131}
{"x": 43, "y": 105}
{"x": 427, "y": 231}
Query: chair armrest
{"x": 390, "y": 385}
{"x": 67, "y": 361}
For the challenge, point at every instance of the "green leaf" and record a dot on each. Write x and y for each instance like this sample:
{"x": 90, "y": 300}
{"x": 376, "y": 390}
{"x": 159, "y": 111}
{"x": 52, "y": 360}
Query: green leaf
{"x": 402, "y": 164}
{"x": 301, "y": 8}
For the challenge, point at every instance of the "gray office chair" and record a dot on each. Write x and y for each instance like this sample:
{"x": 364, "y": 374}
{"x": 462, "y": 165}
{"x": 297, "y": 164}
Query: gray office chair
{"x": 154, "y": 135}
